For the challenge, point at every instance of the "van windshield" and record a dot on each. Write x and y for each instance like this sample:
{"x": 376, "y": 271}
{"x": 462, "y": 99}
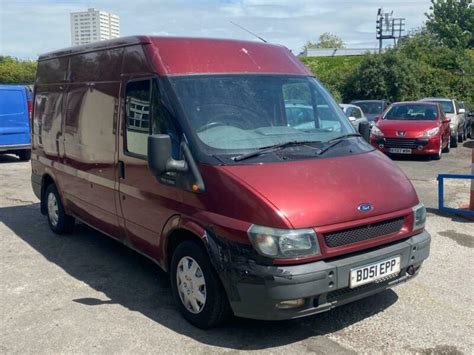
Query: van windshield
{"x": 235, "y": 113}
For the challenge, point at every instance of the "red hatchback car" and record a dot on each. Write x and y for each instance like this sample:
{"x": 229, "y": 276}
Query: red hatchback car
{"x": 412, "y": 128}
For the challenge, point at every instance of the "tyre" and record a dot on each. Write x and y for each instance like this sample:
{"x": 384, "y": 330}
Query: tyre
{"x": 438, "y": 155}
{"x": 59, "y": 221}
{"x": 454, "y": 141}
{"x": 196, "y": 287}
{"x": 24, "y": 155}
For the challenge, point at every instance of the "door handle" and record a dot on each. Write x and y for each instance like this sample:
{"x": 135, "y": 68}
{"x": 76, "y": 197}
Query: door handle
{"x": 121, "y": 168}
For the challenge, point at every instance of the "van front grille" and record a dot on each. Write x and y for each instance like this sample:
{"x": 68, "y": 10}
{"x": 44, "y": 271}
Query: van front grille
{"x": 368, "y": 231}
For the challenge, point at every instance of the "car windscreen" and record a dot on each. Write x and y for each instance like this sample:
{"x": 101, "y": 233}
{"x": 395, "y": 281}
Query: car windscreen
{"x": 237, "y": 113}
{"x": 412, "y": 112}
{"x": 446, "y": 105}
{"x": 371, "y": 108}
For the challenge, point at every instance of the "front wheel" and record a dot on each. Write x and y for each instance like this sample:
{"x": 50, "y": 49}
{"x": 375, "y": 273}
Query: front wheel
{"x": 59, "y": 221}
{"x": 196, "y": 287}
{"x": 438, "y": 155}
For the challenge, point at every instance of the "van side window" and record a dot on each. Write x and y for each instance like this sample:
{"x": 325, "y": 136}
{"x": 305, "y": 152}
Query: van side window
{"x": 138, "y": 116}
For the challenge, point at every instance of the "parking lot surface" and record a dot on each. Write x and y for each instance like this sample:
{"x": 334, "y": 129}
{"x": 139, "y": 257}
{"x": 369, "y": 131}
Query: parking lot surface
{"x": 84, "y": 292}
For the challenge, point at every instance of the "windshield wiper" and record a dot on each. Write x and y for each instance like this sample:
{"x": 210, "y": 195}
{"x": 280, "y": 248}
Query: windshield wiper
{"x": 335, "y": 141}
{"x": 349, "y": 135}
{"x": 270, "y": 148}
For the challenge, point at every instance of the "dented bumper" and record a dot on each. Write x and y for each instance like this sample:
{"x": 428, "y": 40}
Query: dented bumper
{"x": 255, "y": 291}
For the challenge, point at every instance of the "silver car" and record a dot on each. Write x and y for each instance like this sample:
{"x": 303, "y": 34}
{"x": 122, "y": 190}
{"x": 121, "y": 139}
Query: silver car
{"x": 354, "y": 113}
{"x": 455, "y": 114}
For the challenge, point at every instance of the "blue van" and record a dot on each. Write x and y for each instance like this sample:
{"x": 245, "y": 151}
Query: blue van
{"x": 15, "y": 121}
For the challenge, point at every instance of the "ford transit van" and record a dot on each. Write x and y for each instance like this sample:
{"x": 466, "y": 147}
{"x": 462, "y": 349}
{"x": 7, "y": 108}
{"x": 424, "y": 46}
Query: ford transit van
{"x": 228, "y": 164}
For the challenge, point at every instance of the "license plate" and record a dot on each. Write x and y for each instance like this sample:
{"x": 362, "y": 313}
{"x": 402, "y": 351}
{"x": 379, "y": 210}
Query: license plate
{"x": 399, "y": 150}
{"x": 375, "y": 271}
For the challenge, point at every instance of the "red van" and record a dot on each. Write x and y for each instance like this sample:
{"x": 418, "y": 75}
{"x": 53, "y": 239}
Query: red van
{"x": 228, "y": 164}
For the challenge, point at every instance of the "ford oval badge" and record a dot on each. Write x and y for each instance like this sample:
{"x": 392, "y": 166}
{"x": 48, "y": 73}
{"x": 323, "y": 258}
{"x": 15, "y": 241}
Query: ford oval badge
{"x": 365, "y": 207}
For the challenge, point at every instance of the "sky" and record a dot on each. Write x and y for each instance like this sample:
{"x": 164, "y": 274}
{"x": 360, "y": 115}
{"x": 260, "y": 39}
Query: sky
{"x": 31, "y": 27}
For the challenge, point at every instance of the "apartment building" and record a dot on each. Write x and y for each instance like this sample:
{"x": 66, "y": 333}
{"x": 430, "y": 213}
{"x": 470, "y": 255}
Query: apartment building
{"x": 93, "y": 25}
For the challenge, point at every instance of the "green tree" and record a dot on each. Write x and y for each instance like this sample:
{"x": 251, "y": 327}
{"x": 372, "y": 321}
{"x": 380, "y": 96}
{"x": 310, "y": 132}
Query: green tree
{"x": 13, "y": 70}
{"x": 326, "y": 40}
{"x": 452, "y": 21}
{"x": 390, "y": 76}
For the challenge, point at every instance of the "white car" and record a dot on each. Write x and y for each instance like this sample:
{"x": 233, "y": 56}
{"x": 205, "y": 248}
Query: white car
{"x": 354, "y": 113}
{"x": 455, "y": 114}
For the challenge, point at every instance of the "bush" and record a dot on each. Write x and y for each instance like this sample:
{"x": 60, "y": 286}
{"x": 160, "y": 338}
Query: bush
{"x": 13, "y": 70}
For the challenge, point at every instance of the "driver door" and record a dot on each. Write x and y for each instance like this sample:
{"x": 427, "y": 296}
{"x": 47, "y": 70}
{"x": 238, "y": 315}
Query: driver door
{"x": 145, "y": 203}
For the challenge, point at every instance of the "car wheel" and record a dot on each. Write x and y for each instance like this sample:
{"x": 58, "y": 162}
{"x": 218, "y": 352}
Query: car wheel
{"x": 24, "y": 155}
{"x": 454, "y": 141}
{"x": 196, "y": 287}
{"x": 59, "y": 221}
{"x": 446, "y": 149}
{"x": 438, "y": 155}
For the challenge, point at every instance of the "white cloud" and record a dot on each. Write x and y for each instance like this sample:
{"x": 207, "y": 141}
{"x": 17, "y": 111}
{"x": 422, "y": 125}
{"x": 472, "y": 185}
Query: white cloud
{"x": 31, "y": 27}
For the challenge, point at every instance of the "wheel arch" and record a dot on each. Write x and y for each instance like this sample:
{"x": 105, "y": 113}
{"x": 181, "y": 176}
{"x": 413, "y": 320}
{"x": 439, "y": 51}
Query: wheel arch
{"x": 178, "y": 231}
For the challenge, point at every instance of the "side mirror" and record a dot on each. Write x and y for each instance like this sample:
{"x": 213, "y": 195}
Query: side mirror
{"x": 446, "y": 120}
{"x": 461, "y": 110}
{"x": 159, "y": 156}
{"x": 364, "y": 130}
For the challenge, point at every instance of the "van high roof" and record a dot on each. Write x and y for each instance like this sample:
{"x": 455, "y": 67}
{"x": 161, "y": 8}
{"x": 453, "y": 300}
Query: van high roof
{"x": 184, "y": 55}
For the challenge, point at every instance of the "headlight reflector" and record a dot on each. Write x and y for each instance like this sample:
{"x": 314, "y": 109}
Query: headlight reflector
{"x": 431, "y": 132}
{"x": 283, "y": 243}
{"x": 419, "y": 216}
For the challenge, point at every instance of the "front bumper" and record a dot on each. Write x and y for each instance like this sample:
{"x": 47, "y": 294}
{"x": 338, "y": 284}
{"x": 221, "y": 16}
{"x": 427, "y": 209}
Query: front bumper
{"x": 323, "y": 284}
{"x": 417, "y": 145}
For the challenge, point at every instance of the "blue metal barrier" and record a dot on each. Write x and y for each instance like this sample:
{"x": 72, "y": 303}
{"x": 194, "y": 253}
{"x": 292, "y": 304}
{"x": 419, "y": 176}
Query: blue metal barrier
{"x": 441, "y": 206}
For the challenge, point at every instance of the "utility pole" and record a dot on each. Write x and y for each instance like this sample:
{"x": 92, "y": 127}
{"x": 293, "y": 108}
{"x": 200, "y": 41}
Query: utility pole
{"x": 388, "y": 27}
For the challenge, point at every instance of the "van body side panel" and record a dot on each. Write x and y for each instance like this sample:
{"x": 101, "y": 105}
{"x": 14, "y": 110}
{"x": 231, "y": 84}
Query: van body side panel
{"x": 90, "y": 155}
{"x": 47, "y": 133}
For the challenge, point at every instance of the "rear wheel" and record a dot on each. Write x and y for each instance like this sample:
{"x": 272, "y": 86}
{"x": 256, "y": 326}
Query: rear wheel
{"x": 197, "y": 289}
{"x": 59, "y": 221}
{"x": 24, "y": 155}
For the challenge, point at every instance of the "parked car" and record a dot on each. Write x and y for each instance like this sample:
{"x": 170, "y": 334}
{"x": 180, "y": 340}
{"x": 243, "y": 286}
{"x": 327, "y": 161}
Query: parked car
{"x": 14, "y": 121}
{"x": 354, "y": 113}
{"x": 468, "y": 117}
{"x": 372, "y": 108}
{"x": 184, "y": 149}
{"x": 455, "y": 114}
{"x": 413, "y": 128}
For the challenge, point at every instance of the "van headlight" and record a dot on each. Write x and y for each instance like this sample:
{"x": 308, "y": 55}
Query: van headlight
{"x": 419, "y": 216}
{"x": 283, "y": 243}
{"x": 430, "y": 132}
